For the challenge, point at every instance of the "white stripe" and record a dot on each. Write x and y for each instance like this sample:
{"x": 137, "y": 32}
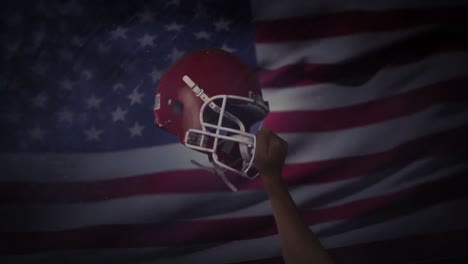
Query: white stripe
{"x": 330, "y": 50}
{"x": 384, "y": 83}
{"x": 134, "y": 210}
{"x": 143, "y": 209}
{"x": 438, "y": 218}
{"x": 101, "y": 166}
{"x": 304, "y": 147}
{"x": 392, "y": 183}
{"x": 403, "y": 226}
{"x": 277, "y": 9}
{"x": 376, "y": 137}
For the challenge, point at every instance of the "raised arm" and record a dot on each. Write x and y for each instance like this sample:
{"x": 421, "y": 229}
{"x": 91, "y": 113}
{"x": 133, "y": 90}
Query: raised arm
{"x": 298, "y": 243}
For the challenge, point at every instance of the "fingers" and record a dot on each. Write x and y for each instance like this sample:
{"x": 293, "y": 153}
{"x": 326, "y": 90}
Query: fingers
{"x": 262, "y": 137}
{"x": 267, "y": 140}
{"x": 272, "y": 136}
{"x": 270, "y": 152}
{"x": 264, "y": 129}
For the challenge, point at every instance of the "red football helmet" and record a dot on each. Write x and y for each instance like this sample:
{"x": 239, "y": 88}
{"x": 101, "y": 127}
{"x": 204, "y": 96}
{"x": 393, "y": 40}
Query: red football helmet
{"x": 212, "y": 101}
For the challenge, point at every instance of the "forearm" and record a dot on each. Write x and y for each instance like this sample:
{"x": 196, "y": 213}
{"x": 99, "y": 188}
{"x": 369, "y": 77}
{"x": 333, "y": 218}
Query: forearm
{"x": 298, "y": 243}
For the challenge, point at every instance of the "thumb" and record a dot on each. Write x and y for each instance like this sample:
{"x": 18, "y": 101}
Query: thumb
{"x": 262, "y": 138}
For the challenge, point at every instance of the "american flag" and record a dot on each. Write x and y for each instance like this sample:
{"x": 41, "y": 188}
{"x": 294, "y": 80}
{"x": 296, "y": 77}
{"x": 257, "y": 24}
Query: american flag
{"x": 370, "y": 95}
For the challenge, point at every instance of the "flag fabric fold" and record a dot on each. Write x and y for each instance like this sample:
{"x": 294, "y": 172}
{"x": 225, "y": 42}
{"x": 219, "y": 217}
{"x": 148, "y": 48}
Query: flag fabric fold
{"x": 369, "y": 95}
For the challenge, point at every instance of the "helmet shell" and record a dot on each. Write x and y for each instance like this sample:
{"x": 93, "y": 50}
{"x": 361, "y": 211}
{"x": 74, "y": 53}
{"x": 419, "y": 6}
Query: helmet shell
{"x": 216, "y": 71}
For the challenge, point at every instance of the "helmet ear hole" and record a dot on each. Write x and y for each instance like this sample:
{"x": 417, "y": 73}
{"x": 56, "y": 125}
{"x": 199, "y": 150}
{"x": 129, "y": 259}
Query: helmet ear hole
{"x": 177, "y": 107}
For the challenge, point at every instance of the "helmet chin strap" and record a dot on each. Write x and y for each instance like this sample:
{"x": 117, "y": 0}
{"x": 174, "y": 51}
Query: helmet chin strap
{"x": 200, "y": 93}
{"x": 244, "y": 151}
{"x": 217, "y": 171}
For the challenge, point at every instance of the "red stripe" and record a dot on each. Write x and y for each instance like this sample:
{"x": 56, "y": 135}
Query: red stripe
{"x": 363, "y": 68}
{"x": 446, "y": 247}
{"x": 351, "y": 22}
{"x": 379, "y": 110}
{"x": 214, "y": 231}
{"x": 449, "y": 142}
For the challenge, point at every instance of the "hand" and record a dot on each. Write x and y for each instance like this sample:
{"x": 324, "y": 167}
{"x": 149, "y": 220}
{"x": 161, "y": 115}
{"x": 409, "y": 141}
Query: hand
{"x": 270, "y": 153}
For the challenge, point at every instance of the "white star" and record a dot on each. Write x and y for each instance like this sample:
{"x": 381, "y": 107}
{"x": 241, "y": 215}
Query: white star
{"x": 93, "y": 134}
{"x": 146, "y": 17}
{"x": 40, "y": 69}
{"x": 173, "y": 2}
{"x": 39, "y": 101}
{"x": 227, "y": 48}
{"x": 77, "y": 41}
{"x": 155, "y": 74}
{"x": 202, "y": 35}
{"x": 146, "y": 40}
{"x": 65, "y": 115}
{"x": 135, "y": 97}
{"x": 222, "y": 24}
{"x": 175, "y": 55}
{"x": 103, "y": 48}
{"x": 174, "y": 27}
{"x": 136, "y": 130}
{"x": 66, "y": 84}
{"x": 119, "y": 32}
{"x": 119, "y": 114}
{"x": 37, "y": 133}
{"x": 118, "y": 86}
{"x": 93, "y": 102}
{"x": 87, "y": 74}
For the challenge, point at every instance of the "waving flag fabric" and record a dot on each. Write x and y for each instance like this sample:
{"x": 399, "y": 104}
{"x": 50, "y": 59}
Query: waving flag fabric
{"x": 370, "y": 95}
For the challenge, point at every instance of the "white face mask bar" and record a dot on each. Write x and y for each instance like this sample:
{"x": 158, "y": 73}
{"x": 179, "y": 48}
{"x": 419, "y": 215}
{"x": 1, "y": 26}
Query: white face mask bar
{"x": 200, "y": 93}
{"x": 207, "y": 141}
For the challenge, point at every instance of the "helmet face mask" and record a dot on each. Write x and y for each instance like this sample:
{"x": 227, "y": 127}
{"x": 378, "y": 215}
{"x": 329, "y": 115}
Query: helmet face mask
{"x": 213, "y": 102}
{"x": 229, "y": 124}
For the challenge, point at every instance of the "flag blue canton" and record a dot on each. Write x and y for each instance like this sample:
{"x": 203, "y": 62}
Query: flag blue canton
{"x": 81, "y": 76}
